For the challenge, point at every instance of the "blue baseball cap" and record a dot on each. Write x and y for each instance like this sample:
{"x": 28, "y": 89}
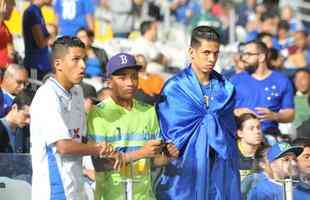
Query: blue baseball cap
{"x": 278, "y": 150}
{"x": 121, "y": 61}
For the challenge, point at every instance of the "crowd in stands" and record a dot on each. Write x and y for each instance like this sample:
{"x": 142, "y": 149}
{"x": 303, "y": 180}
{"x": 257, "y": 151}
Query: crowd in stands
{"x": 265, "y": 52}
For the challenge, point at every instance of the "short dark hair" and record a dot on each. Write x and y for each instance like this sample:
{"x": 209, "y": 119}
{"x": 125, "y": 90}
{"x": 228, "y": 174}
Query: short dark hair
{"x": 303, "y": 142}
{"x": 24, "y": 98}
{"x": 283, "y": 24}
{"x": 262, "y": 35}
{"x": 267, "y": 15}
{"x": 61, "y": 45}
{"x": 204, "y": 33}
{"x": 244, "y": 117}
{"x": 145, "y": 26}
{"x": 261, "y": 47}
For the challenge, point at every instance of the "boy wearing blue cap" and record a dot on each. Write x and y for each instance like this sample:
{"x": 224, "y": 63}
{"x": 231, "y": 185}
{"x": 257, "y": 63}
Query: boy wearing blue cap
{"x": 282, "y": 158}
{"x": 132, "y": 128}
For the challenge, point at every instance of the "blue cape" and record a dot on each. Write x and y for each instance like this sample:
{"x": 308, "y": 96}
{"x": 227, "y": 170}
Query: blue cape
{"x": 195, "y": 129}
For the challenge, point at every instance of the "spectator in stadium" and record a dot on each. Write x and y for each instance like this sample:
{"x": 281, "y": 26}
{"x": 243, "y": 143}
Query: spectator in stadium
{"x": 58, "y": 127}
{"x": 303, "y": 161}
{"x": 52, "y": 30}
{"x": 250, "y": 139}
{"x": 268, "y": 24}
{"x": 287, "y": 13}
{"x": 149, "y": 83}
{"x": 73, "y": 15}
{"x": 207, "y": 18}
{"x": 90, "y": 96}
{"x": 184, "y": 10}
{"x": 283, "y": 162}
{"x": 12, "y": 139}
{"x": 15, "y": 80}
{"x": 36, "y": 39}
{"x": 302, "y": 98}
{"x": 264, "y": 172}
{"x": 146, "y": 44}
{"x": 244, "y": 11}
{"x": 299, "y": 53}
{"x": 122, "y": 17}
{"x": 96, "y": 59}
{"x": 132, "y": 127}
{"x": 261, "y": 91}
{"x": 6, "y": 8}
{"x": 196, "y": 113}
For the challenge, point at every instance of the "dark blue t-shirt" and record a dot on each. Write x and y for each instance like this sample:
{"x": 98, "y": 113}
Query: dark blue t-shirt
{"x": 35, "y": 57}
{"x": 274, "y": 92}
{"x": 72, "y": 15}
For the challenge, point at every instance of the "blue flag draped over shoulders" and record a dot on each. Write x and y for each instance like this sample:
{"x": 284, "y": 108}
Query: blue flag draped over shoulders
{"x": 204, "y": 132}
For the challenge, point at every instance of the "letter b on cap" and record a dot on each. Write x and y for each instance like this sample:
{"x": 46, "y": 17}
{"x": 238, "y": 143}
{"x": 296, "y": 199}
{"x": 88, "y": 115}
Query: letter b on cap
{"x": 123, "y": 59}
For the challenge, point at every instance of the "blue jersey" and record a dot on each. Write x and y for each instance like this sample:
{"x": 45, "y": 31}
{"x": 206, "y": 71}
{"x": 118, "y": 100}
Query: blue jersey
{"x": 274, "y": 92}
{"x": 72, "y": 15}
{"x": 35, "y": 57}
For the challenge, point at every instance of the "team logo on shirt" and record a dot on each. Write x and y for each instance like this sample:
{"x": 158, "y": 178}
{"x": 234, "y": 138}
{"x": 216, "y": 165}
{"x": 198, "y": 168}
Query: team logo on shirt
{"x": 272, "y": 92}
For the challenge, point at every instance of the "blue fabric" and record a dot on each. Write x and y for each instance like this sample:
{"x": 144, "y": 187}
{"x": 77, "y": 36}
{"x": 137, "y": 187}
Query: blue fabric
{"x": 205, "y": 135}
{"x": 93, "y": 67}
{"x": 57, "y": 188}
{"x": 268, "y": 190}
{"x": 7, "y": 103}
{"x": 2, "y": 109}
{"x": 274, "y": 92}
{"x": 181, "y": 13}
{"x": 35, "y": 57}
{"x": 72, "y": 15}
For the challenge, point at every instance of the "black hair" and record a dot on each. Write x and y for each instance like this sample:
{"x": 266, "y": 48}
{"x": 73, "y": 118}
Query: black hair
{"x": 203, "y": 33}
{"x": 145, "y": 26}
{"x": 283, "y": 24}
{"x": 261, "y": 47}
{"x": 261, "y": 35}
{"x": 267, "y": 15}
{"x": 244, "y": 117}
{"x": 24, "y": 98}
{"x": 61, "y": 45}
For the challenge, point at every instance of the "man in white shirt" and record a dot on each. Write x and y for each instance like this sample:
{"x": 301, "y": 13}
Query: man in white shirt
{"x": 58, "y": 127}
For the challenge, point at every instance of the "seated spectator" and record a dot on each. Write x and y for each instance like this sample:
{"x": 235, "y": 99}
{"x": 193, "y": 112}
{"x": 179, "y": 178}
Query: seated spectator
{"x": 262, "y": 91}
{"x": 36, "y": 40}
{"x": 282, "y": 158}
{"x": 11, "y": 139}
{"x": 264, "y": 172}
{"x": 15, "y": 80}
{"x": 276, "y": 59}
{"x": 250, "y": 139}
{"x": 150, "y": 83}
{"x": 6, "y": 8}
{"x": 90, "y": 96}
{"x": 299, "y": 53}
{"x": 303, "y": 161}
{"x": 283, "y": 36}
{"x": 96, "y": 58}
{"x": 302, "y": 96}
